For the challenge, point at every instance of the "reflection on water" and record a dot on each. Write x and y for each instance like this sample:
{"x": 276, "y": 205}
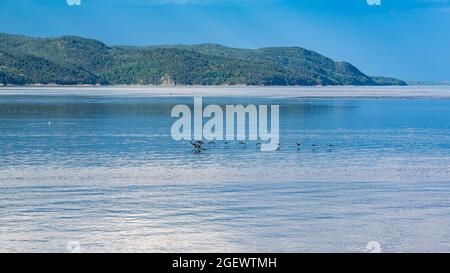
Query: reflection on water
{"x": 104, "y": 171}
{"x": 227, "y": 217}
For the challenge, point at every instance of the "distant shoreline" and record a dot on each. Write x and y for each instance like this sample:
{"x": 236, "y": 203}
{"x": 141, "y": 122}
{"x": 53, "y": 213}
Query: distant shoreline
{"x": 239, "y": 91}
{"x": 200, "y": 85}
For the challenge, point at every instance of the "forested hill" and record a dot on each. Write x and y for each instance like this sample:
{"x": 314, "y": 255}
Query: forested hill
{"x": 71, "y": 60}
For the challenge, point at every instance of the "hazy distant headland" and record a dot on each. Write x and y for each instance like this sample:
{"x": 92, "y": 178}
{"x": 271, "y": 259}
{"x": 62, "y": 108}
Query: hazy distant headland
{"x": 71, "y": 60}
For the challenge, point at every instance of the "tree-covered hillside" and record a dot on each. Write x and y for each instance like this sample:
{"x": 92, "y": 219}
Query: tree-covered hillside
{"x": 74, "y": 60}
{"x": 28, "y": 69}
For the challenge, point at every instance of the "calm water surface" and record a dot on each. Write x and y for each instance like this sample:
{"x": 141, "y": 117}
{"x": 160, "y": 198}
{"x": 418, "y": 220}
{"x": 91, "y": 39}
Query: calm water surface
{"x": 104, "y": 171}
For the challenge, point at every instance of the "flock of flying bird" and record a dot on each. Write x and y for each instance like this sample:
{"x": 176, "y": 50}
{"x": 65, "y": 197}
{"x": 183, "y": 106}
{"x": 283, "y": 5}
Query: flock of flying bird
{"x": 198, "y": 145}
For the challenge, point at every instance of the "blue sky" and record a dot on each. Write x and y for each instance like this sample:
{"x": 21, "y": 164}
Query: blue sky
{"x": 409, "y": 39}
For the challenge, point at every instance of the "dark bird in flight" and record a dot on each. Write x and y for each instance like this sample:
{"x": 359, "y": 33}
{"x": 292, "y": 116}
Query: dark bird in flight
{"x": 330, "y": 148}
{"x": 197, "y": 144}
